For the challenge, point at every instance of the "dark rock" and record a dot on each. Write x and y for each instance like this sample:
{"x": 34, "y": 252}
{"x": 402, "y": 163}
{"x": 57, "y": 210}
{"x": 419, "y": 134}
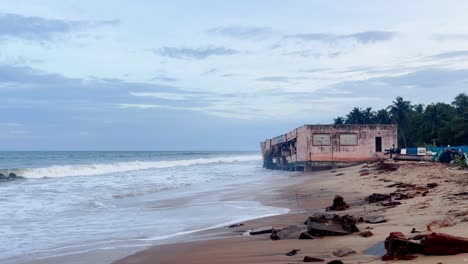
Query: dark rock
{"x": 340, "y": 174}
{"x": 274, "y": 235}
{"x": 327, "y": 228}
{"x": 401, "y": 196}
{"x": 337, "y": 226}
{"x": 305, "y": 235}
{"x": 287, "y": 232}
{"x": 432, "y": 185}
{"x": 366, "y": 234}
{"x": 335, "y": 262}
{"x": 338, "y": 204}
{"x": 10, "y": 177}
{"x": 234, "y": 225}
{"x": 391, "y": 203}
{"x": 312, "y": 259}
{"x": 414, "y": 231}
{"x": 418, "y": 237}
{"x": 378, "y": 197}
{"x": 292, "y": 252}
{"x": 261, "y": 230}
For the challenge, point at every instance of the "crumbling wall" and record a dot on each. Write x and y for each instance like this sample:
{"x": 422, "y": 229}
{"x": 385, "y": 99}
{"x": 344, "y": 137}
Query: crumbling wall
{"x": 351, "y": 143}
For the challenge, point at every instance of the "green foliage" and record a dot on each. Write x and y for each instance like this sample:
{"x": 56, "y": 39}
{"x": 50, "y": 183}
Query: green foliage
{"x": 460, "y": 161}
{"x": 419, "y": 125}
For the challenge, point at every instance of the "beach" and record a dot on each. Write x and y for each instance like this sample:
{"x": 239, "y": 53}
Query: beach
{"x": 444, "y": 203}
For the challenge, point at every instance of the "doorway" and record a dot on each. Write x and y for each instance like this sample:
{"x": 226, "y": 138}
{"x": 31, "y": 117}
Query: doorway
{"x": 378, "y": 144}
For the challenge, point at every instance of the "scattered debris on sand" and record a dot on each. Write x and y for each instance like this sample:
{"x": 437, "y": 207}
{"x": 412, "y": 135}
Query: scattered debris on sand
{"x": 399, "y": 247}
{"x": 285, "y": 233}
{"x": 261, "y": 230}
{"x": 339, "y": 204}
{"x": 312, "y": 259}
{"x": 292, "y": 252}
{"x": 366, "y": 234}
{"x": 331, "y": 225}
{"x": 235, "y": 225}
{"x": 343, "y": 252}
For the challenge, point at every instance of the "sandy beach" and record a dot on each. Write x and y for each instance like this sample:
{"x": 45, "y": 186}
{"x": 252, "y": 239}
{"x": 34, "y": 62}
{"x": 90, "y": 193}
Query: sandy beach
{"x": 316, "y": 190}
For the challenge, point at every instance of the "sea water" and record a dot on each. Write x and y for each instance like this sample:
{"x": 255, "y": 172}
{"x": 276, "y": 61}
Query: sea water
{"x": 77, "y": 202}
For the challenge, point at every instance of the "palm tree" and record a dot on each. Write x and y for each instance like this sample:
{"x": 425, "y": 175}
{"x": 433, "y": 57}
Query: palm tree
{"x": 339, "y": 120}
{"x": 356, "y": 116}
{"x": 383, "y": 117}
{"x": 431, "y": 119}
{"x": 400, "y": 110}
{"x": 461, "y": 103}
{"x": 368, "y": 116}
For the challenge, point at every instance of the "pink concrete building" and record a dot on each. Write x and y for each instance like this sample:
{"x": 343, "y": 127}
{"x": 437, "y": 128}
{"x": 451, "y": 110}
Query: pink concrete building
{"x": 319, "y": 146}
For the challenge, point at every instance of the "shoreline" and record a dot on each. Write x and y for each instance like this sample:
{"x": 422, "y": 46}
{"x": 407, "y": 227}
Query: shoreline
{"x": 317, "y": 191}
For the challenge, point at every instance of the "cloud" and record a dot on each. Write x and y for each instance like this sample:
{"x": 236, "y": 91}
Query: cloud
{"x": 242, "y": 32}
{"x": 433, "y": 84}
{"x": 163, "y": 78}
{"x": 280, "y": 79}
{"x": 274, "y": 79}
{"x": 313, "y": 53}
{"x": 447, "y": 37}
{"x": 365, "y": 37}
{"x": 167, "y": 96}
{"x": 451, "y": 54}
{"x": 43, "y": 29}
{"x": 427, "y": 78}
{"x": 195, "y": 53}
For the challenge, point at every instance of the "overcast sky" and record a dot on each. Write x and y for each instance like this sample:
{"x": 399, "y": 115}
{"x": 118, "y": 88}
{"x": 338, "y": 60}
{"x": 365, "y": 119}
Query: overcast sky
{"x": 214, "y": 75}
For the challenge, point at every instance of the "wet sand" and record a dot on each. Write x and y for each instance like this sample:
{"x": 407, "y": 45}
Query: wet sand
{"x": 316, "y": 190}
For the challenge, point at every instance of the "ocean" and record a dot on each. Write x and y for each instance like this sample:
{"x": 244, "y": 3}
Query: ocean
{"x": 75, "y": 202}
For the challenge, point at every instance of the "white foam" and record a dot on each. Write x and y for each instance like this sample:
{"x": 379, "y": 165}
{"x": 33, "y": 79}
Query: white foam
{"x": 97, "y": 169}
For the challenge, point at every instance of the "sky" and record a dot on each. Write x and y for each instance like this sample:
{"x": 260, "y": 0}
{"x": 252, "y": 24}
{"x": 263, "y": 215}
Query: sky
{"x": 215, "y": 75}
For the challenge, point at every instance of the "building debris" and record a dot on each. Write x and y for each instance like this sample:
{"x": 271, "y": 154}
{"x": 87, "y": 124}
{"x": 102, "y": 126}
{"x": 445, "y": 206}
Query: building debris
{"x": 287, "y": 232}
{"x": 335, "y": 262}
{"x": 378, "y": 197}
{"x": 323, "y": 225}
{"x": 446, "y": 222}
{"x": 366, "y": 234}
{"x": 312, "y": 259}
{"x": 376, "y": 219}
{"x": 399, "y": 247}
{"x": 343, "y": 252}
{"x": 292, "y": 252}
{"x": 339, "y": 204}
{"x": 261, "y": 230}
{"x": 305, "y": 235}
{"x": 234, "y": 225}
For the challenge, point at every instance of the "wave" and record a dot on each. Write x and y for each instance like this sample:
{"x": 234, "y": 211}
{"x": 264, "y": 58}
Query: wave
{"x": 98, "y": 169}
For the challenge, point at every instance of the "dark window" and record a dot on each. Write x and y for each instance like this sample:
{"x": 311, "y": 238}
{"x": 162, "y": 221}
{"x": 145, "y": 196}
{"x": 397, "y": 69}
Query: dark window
{"x": 378, "y": 144}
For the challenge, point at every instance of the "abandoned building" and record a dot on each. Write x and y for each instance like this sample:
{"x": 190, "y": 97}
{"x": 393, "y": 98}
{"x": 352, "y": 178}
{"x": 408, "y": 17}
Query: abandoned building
{"x": 312, "y": 147}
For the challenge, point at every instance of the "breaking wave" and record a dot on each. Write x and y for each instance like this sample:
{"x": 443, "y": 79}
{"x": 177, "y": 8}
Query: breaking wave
{"x": 97, "y": 169}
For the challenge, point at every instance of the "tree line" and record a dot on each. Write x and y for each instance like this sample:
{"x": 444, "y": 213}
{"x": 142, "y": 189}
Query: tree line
{"x": 439, "y": 124}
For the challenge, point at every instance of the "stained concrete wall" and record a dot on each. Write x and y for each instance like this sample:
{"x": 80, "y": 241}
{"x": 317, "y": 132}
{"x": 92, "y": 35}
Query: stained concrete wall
{"x": 363, "y": 150}
{"x": 336, "y": 143}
